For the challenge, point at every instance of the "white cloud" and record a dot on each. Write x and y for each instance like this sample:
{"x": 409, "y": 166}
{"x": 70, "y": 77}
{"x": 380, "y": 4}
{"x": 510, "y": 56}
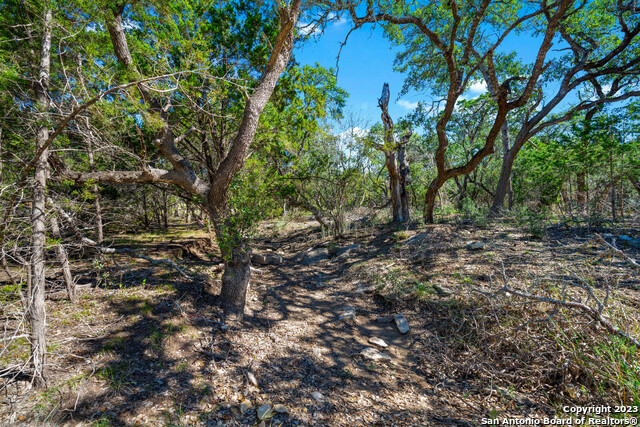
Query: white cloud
{"x": 479, "y": 87}
{"x": 340, "y": 21}
{"x": 354, "y": 132}
{"x": 476, "y": 89}
{"x": 310, "y": 29}
{"x": 407, "y": 104}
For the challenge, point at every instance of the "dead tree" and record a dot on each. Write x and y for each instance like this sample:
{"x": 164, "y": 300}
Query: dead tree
{"x": 36, "y": 312}
{"x": 396, "y": 162}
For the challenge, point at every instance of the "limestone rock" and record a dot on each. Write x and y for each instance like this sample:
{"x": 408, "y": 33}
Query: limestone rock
{"x": 266, "y": 259}
{"x": 348, "y": 313}
{"x": 281, "y": 409}
{"x": 374, "y": 355}
{"x": 252, "y": 379}
{"x": 362, "y": 288}
{"x": 344, "y": 252}
{"x": 401, "y": 323}
{"x": 316, "y": 255}
{"x": 316, "y": 395}
{"x": 379, "y": 342}
{"x": 474, "y": 246}
{"x": 417, "y": 239}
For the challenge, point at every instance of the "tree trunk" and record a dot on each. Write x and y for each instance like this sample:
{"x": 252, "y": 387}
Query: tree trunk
{"x": 621, "y": 197}
{"x": 145, "y": 212}
{"x": 394, "y": 186}
{"x": 37, "y": 313}
{"x": 396, "y": 163}
{"x": 430, "y": 199}
{"x": 613, "y": 203}
{"x": 606, "y": 193}
{"x": 581, "y": 191}
{"x": 95, "y": 189}
{"x": 237, "y": 260}
{"x": 504, "y": 182}
{"x": 63, "y": 259}
{"x": 165, "y": 215}
{"x": 403, "y": 164}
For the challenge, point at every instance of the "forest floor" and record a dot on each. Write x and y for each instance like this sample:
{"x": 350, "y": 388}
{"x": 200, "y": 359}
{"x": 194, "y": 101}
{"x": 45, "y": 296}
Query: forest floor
{"x": 146, "y": 347}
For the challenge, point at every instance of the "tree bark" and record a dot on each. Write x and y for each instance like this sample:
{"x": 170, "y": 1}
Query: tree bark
{"x": 237, "y": 273}
{"x": 430, "y": 199}
{"x": 395, "y": 162}
{"x": 37, "y": 313}
{"x": 581, "y": 191}
{"x": 403, "y": 163}
{"x": 63, "y": 259}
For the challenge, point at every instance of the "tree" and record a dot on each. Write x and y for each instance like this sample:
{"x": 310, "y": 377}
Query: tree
{"x": 396, "y": 162}
{"x": 446, "y": 43}
{"x": 161, "y": 126}
{"x": 37, "y": 314}
{"x": 603, "y": 63}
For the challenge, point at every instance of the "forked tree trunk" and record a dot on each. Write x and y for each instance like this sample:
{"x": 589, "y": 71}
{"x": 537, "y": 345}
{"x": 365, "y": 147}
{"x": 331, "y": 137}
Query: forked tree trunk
{"x": 37, "y": 313}
{"x": 236, "y": 255}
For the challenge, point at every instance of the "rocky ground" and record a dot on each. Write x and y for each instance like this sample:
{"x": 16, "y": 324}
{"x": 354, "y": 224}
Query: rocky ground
{"x": 382, "y": 327}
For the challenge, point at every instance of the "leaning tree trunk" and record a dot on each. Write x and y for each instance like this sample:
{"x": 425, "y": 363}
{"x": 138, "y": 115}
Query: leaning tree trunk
{"x": 430, "y": 199}
{"x": 37, "y": 313}
{"x": 63, "y": 259}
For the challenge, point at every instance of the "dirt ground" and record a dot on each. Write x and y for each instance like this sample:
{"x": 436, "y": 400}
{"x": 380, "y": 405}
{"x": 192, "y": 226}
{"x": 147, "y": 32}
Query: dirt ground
{"x": 147, "y": 347}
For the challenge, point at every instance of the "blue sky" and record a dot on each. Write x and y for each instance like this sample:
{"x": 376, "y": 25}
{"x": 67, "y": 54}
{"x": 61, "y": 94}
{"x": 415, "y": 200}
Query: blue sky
{"x": 366, "y": 62}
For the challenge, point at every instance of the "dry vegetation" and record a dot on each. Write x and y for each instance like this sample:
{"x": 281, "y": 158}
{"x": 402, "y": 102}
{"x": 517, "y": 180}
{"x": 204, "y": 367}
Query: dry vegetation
{"x": 145, "y": 347}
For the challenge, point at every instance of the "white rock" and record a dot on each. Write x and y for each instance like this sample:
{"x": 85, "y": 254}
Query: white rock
{"x": 379, "y": 342}
{"x": 252, "y": 379}
{"x": 401, "y": 323}
{"x": 316, "y": 395}
{"x": 474, "y": 246}
{"x": 373, "y": 354}
{"x": 348, "y": 313}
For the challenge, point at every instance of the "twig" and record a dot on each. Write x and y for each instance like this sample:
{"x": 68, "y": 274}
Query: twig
{"x": 129, "y": 252}
{"x": 594, "y": 314}
{"x": 617, "y": 251}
